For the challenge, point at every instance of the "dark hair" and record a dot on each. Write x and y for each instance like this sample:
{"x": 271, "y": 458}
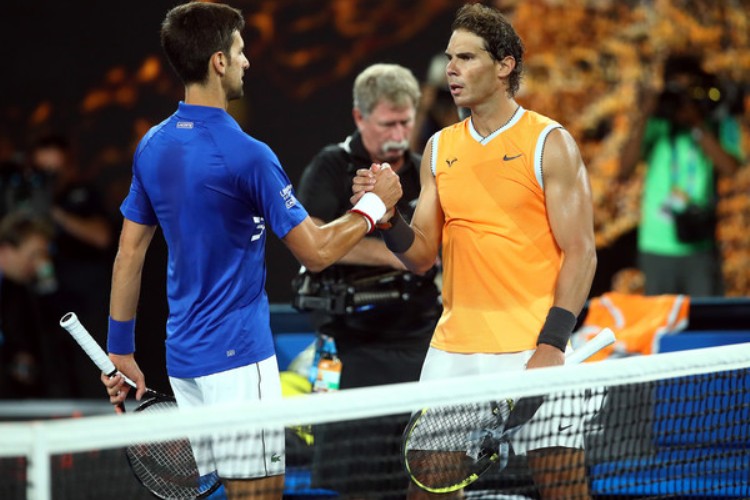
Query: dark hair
{"x": 17, "y": 227}
{"x": 500, "y": 39}
{"x": 191, "y": 33}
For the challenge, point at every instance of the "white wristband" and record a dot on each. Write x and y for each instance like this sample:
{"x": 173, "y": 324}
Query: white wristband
{"x": 372, "y": 208}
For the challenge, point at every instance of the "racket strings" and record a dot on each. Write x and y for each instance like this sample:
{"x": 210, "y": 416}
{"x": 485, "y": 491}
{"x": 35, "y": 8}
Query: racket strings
{"x": 449, "y": 444}
{"x": 167, "y": 468}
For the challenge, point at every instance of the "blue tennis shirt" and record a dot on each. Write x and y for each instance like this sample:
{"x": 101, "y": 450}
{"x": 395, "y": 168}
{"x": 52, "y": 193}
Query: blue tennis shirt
{"x": 213, "y": 190}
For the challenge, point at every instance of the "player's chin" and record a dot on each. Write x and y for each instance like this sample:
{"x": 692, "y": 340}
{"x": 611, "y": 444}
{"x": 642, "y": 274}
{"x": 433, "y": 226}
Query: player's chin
{"x": 461, "y": 100}
{"x": 236, "y": 94}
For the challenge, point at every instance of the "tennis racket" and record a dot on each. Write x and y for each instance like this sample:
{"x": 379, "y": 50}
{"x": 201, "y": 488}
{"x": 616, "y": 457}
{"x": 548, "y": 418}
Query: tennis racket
{"x": 167, "y": 469}
{"x": 444, "y": 449}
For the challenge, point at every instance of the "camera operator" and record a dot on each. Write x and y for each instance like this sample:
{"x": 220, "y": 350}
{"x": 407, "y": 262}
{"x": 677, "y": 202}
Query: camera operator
{"x": 686, "y": 138}
{"x": 381, "y": 316}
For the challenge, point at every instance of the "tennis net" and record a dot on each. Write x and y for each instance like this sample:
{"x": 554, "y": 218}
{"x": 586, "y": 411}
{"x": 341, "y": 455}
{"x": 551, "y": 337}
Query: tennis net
{"x": 673, "y": 425}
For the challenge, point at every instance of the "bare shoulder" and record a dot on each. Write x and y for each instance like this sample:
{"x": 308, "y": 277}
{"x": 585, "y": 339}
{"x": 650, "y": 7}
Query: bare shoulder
{"x": 561, "y": 142}
{"x": 561, "y": 154}
{"x": 426, "y": 166}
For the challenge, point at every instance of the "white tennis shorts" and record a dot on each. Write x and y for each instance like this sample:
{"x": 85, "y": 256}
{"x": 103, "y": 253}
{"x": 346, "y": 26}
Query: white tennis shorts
{"x": 248, "y": 454}
{"x": 558, "y": 422}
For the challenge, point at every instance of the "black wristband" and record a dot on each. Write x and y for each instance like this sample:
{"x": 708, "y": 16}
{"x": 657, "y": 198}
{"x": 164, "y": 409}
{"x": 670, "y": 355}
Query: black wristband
{"x": 400, "y": 236}
{"x": 557, "y": 328}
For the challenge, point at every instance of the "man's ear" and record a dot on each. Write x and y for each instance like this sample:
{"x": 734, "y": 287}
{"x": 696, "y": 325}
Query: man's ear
{"x": 219, "y": 63}
{"x": 358, "y": 116}
{"x": 505, "y": 66}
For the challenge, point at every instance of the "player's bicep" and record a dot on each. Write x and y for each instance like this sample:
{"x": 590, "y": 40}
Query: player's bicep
{"x": 135, "y": 238}
{"x": 301, "y": 239}
{"x": 567, "y": 192}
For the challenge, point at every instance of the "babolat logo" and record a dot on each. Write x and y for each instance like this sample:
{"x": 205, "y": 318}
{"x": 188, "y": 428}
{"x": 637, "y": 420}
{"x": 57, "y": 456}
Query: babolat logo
{"x": 260, "y": 226}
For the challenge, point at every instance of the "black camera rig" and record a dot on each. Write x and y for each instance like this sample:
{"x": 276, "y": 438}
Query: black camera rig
{"x": 338, "y": 293}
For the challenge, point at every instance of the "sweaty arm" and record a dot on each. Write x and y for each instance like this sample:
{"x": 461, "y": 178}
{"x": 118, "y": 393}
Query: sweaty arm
{"x": 425, "y": 232}
{"x": 368, "y": 252}
{"x": 317, "y": 247}
{"x": 126, "y": 288}
{"x": 570, "y": 212}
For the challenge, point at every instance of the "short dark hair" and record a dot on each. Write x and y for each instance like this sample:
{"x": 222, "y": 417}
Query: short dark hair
{"x": 500, "y": 39}
{"x": 191, "y": 33}
{"x": 17, "y": 227}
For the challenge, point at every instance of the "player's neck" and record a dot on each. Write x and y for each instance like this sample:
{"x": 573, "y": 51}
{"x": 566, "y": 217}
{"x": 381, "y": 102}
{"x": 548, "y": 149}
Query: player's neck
{"x": 206, "y": 95}
{"x": 489, "y": 117}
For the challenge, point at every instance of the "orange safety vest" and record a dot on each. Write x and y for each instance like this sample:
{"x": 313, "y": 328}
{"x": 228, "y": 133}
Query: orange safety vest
{"x": 638, "y": 321}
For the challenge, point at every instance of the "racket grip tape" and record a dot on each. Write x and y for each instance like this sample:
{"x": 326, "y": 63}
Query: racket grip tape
{"x": 600, "y": 341}
{"x": 71, "y": 323}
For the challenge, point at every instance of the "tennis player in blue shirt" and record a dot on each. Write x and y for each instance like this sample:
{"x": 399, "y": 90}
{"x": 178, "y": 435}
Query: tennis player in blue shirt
{"x": 215, "y": 191}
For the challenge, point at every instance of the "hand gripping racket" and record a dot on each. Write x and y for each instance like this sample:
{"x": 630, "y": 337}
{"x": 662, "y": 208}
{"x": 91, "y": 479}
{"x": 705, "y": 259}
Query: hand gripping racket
{"x": 445, "y": 449}
{"x": 168, "y": 468}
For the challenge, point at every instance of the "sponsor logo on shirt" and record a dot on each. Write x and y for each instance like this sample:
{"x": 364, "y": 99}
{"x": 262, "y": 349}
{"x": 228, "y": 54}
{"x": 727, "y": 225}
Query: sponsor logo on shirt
{"x": 289, "y": 199}
{"x": 184, "y": 124}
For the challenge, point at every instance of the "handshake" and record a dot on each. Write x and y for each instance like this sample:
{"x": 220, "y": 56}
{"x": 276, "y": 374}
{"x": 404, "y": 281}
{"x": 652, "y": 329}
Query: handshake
{"x": 376, "y": 192}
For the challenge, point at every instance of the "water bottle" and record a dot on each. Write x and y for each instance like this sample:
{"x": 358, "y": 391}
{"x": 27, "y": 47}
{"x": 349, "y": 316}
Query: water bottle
{"x": 328, "y": 374}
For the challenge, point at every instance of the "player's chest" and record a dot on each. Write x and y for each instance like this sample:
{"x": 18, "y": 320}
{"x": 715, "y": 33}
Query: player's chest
{"x": 480, "y": 179}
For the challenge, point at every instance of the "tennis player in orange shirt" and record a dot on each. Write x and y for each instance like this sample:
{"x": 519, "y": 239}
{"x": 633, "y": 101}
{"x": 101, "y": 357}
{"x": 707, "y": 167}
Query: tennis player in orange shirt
{"x": 506, "y": 196}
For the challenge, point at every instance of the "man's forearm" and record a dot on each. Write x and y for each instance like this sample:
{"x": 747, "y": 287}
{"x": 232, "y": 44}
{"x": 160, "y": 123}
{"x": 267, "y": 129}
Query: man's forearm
{"x": 574, "y": 281}
{"x": 371, "y": 252}
{"x": 126, "y": 288}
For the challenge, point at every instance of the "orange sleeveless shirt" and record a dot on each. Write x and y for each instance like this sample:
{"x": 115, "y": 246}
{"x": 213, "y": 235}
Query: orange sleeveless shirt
{"x": 500, "y": 258}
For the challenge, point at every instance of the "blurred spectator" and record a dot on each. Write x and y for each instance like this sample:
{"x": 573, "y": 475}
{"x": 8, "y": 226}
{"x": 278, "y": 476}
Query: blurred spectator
{"x": 686, "y": 140}
{"x": 24, "y": 243}
{"x": 78, "y": 279}
{"x": 13, "y": 186}
{"x": 629, "y": 281}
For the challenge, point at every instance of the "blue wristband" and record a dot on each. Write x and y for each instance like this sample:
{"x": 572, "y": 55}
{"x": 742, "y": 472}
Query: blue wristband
{"x": 121, "y": 337}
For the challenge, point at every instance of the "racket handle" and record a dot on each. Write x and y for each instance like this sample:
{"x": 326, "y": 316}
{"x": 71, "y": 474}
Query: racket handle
{"x": 602, "y": 339}
{"x": 71, "y": 323}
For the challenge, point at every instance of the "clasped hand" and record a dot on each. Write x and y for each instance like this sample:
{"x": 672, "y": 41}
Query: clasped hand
{"x": 381, "y": 180}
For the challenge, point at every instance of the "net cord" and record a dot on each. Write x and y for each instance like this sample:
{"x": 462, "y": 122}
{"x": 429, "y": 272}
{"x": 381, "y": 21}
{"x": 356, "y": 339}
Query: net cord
{"x": 40, "y": 439}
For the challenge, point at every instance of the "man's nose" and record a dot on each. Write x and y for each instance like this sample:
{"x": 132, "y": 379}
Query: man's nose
{"x": 399, "y": 132}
